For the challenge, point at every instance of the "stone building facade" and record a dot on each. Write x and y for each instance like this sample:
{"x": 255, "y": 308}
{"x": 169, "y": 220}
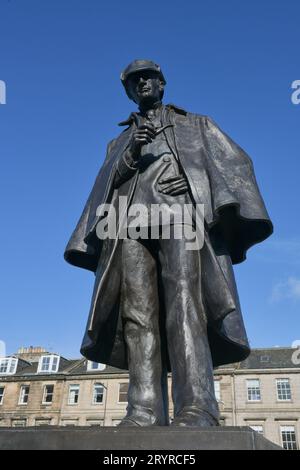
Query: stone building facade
{"x": 38, "y": 388}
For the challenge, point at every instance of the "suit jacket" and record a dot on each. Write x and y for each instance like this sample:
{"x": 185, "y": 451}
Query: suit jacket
{"x": 220, "y": 176}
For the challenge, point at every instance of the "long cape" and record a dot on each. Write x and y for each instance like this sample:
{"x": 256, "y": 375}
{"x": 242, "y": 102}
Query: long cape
{"x": 220, "y": 176}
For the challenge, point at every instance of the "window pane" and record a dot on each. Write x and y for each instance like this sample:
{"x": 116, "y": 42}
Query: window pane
{"x": 73, "y": 394}
{"x": 48, "y": 394}
{"x": 3, "y": 365}
{"x": 98, "y": 393}
{"x": 123, "y": 390}
{"x": 18, "y": 423}
{"x": 42, "y": 422}
{"x": 8, "y": 365}
{"x": 217, "y": 390}
{"x": 288, "y": 437}
{"x": 12, "y": 366}
{"x": 1, "y": 394}
{"x": 24, "y": 393}
{"x": 253, "y": 390}
{"x": 54, "y": 363}
{"x": 283, "y": 389}
{"x": 49, "y": 363}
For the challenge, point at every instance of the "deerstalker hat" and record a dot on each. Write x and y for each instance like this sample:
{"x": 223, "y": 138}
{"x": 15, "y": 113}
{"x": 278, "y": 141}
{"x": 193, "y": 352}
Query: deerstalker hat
{"x": 137, "y": 66}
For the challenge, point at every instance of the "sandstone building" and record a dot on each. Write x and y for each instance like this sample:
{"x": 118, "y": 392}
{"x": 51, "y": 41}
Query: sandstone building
{"x": 40, "y": 388}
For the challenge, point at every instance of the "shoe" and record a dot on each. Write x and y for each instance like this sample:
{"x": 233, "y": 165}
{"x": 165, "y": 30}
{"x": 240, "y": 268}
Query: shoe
{"x": 128, "y": 422}
{"x": 194, "y": 417}
{"x": 141, "y": 417}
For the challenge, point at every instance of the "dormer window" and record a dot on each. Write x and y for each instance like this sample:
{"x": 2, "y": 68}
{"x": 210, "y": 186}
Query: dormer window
{"x": 48, "y": 364}
{"x": 93, "y": 366}
{"x": 8, "y": 365}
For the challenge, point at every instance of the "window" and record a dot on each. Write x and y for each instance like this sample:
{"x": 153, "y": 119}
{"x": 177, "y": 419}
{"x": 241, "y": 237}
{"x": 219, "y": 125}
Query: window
{"x": 288, "y": 437}
{"x": 48, "y": 394}
{"x": 24, "y": 393}
{"x": 283, "y": 389}
{"x": 8, "y": 366}
{"x": 42, "y": 422}
{"x": 253, "y": 390}
{"x": 70, "y": 422}
{"x": 91, "y": 366}
{"x": 73, "y": 394}
{"x": 94, "y": 422}
{"x": 258, "y": 428}
{"x": 123, "y": 390}
{"x": 1, "y": 394}
{"x": 98, "y": 393}
{"x": 18, "y": 423}
{"x": 48, "y": 363}
{"x": 217, "y": 390}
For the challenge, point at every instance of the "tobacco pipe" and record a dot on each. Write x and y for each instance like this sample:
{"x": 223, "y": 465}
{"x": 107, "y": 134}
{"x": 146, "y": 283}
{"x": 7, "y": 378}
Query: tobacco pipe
{"x": 159, "y": 130}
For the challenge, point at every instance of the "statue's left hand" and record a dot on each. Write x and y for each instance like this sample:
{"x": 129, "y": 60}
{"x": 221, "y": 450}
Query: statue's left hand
{"x": 173, "y": 185}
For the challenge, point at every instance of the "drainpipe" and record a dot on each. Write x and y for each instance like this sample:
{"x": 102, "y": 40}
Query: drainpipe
{"x": 233, "y": 399}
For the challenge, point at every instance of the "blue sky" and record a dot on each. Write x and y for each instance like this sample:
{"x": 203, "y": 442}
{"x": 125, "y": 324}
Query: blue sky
{"x": 61, "y": 61}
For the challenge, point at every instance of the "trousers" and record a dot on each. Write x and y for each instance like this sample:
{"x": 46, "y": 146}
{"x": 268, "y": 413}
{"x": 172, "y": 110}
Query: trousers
{"x": 165, "y": 323}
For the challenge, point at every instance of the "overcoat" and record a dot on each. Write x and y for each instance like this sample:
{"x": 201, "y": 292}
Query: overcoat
{"x": 220, "y": 176}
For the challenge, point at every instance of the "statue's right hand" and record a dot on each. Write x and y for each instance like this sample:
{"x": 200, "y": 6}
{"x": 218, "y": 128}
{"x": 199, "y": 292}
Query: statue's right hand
{"x": 143, "y": 135}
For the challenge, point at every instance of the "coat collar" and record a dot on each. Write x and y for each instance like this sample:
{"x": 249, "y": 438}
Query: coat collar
{"x": 133, "y": 116}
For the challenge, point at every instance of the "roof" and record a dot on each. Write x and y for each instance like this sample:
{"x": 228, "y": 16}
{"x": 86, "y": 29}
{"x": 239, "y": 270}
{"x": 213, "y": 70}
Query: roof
{"x": 264, "y": 358}
{"x": 271, "y": 358}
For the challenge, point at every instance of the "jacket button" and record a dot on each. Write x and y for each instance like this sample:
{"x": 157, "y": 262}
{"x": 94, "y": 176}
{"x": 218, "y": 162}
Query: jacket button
{"x": 166, "y": 158}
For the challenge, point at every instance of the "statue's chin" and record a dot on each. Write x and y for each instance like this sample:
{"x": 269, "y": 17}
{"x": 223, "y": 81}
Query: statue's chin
{"x": 147, "y": 100}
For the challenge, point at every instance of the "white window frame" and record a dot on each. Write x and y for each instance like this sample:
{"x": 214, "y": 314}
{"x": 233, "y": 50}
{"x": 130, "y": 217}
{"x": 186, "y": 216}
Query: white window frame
{"x": 42, "y": 422}
{"x": 11, "y": 365}
{"x": 90, "y": 366}
{"x": 22, "y": 394}
{"x": 283, "y": 380}
{"x": 23, "y": 421}
{"x": 288, "y": 428}
{"x": 52, "y": 369}
{"x": 44, "y": 394}
{"x": 122, "y": 402}
{"x": 75, "y": 387}
{"x": 251, "y": 400}
{"x": 217, "y": 390}
{"x": 2, "y": 396}
{"x": 99, "y": 403}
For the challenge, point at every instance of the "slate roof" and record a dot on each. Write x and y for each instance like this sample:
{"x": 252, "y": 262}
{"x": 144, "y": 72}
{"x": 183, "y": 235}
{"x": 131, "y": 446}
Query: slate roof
{"x": 271, "y": 358}
{"x": 265, "y": 358}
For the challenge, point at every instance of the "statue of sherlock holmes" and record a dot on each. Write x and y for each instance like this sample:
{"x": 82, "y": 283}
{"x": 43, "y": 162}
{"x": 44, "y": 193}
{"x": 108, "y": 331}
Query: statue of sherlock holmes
{"x": 159, "y": 305}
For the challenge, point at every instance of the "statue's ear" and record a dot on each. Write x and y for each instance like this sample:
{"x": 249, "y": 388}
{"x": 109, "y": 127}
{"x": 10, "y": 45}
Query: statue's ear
{"x": 161, "y": 85}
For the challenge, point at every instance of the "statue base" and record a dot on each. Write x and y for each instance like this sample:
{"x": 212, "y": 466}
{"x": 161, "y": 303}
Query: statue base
{"x": 131, "y": 438}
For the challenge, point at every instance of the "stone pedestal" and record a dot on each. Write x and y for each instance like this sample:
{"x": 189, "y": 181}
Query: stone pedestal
{"x": 111, "y": 438}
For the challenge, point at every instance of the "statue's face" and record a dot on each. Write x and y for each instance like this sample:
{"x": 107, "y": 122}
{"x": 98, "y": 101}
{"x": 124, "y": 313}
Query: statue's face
{"x": 145, "y": 86}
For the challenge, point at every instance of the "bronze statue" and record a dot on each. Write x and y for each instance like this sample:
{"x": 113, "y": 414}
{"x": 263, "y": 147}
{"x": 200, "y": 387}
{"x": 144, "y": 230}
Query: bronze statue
{"x": 156, "y": 306}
